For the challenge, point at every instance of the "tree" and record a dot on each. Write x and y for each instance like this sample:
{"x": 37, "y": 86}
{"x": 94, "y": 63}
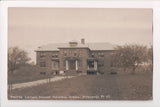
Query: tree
{"x": 16, "y": 58}
{"x": 129, "y": 56}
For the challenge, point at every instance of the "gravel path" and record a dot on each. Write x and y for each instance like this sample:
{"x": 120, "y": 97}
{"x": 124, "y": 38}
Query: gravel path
{"x": 38, "y": 82}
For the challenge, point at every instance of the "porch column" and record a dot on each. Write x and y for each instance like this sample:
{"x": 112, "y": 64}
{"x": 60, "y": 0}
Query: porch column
{"x": 87, "y": 67}
{"x": 76, "y": 65}
{"x": 95, "y": 65}
{"x": 66, "y": 64}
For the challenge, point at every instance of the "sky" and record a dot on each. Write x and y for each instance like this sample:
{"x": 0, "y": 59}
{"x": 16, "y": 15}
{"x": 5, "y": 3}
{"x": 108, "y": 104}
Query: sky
{"x": 29, "y": 28}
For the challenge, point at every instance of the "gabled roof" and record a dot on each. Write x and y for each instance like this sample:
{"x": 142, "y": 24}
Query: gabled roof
{"x": 91, "y": 46}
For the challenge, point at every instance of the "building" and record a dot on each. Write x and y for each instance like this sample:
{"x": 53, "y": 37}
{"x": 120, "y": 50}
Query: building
{"x": 75, "y": 56}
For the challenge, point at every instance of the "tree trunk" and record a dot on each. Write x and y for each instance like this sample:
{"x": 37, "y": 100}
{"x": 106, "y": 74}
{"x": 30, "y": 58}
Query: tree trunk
{"x": 133, "y": 70}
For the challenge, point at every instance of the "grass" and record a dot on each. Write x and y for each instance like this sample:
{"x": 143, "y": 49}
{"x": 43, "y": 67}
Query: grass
{"x": 122, "y": 86}
{"x": 26, "y": 74}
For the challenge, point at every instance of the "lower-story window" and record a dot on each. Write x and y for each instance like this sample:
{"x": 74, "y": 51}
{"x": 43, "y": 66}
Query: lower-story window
{"x": 91, "y": 64}
{"x": 42, "y": 64}
{"x": 55, "y": 65}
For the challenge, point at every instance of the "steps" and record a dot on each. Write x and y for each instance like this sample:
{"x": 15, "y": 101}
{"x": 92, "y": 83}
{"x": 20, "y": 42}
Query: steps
{"x": 71, "y": 72}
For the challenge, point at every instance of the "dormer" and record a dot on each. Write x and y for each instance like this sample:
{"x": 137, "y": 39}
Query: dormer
{"x": 73, "y": 43}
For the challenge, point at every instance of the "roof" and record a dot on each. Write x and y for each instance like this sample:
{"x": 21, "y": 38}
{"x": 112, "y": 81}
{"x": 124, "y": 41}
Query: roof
{"x": 101, "y": 46}
{"x": 91, "y": 46}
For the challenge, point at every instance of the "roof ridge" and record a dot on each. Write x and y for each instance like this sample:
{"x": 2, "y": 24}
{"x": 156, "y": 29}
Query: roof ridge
{"x": 90, "y": 45}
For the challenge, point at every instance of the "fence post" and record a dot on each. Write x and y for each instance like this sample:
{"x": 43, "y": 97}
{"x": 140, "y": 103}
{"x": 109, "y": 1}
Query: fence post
{"x": 48, "y": 79}
{"x": 10, "y": 88}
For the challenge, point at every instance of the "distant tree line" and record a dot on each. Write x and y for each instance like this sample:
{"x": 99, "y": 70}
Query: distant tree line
{"x": 132, "y": 56}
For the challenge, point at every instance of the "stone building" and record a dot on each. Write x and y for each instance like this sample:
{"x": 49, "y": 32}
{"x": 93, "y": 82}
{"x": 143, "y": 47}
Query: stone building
{"x": 75, "y": 56}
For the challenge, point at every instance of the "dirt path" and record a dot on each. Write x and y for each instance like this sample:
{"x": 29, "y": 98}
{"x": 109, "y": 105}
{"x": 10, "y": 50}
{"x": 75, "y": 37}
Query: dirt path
{"x": 38, "y": 82}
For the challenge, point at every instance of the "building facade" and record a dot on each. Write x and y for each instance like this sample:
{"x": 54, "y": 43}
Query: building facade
{"x": 75, "y": 57}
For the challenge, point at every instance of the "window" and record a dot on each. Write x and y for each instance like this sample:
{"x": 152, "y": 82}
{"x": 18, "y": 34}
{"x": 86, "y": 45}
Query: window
{"x": 101, "y": 64}
{"x": 75, "y": 54}
{"x": 65, "y": 54}
{"x": 80, "y": 64}
{"x": 42, "y": 64}
{"x": 91, "y": 64}
{"x": 92, "y": 55}
{"x": 42, "y": 55}
{"x": 64, "y": 63}
{"x": 55, "y": 56}
{"x": 55, "y": 65}
{"x": 100, "y": 55}
{"x": 80, "y": 53}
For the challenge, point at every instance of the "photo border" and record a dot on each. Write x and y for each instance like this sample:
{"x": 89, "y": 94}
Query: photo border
{"x": 155, "y": 5}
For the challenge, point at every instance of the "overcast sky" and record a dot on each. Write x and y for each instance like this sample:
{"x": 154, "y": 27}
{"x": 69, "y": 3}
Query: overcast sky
{"x": 29, "y": 28}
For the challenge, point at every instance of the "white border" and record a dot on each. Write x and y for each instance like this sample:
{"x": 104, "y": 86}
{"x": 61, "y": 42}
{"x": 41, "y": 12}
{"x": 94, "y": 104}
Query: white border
{"x": 79, "y": 4}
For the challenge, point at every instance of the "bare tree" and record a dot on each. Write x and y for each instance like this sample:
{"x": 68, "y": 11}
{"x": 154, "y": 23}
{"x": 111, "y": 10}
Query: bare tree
{"x": 16, "y": 58}
{"x": 130, "y": 56}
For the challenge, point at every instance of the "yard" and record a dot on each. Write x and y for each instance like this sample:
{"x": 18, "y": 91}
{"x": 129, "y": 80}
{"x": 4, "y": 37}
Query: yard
{"x": 26, "y": 74}
{"x": 121, "y": 86}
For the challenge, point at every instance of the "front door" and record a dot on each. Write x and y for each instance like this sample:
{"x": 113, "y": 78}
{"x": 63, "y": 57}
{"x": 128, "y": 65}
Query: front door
{"x": 72, "y": 64}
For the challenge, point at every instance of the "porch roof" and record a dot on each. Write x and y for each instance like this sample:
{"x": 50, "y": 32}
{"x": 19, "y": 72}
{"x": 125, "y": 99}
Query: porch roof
{"x": 71, "y": 58}
{"x": 91, "y": 59}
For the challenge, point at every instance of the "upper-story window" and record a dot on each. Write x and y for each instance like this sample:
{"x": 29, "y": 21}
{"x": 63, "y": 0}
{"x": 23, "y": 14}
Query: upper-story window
{"x": 92, "y": 55}
{"x": 42, "y": 55}
{"x": 101, "y": 55}
{"x": 55, "y": 56}
{"x": 75, "y": 54}
{"x": 80, "y": 52}
{"x": 65, "y": 53}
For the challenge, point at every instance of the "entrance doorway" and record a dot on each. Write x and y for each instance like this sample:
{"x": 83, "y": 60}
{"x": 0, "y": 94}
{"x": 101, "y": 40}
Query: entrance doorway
{"x": 72, "y": 64}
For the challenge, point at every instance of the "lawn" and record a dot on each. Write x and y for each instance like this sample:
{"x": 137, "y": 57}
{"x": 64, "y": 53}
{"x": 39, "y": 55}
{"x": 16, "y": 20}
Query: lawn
{"x": 26, "y": 74}
{"x": 122, "y": 86}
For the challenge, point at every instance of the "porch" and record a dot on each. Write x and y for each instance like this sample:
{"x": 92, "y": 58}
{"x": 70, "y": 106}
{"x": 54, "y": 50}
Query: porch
{"x": 92, "y": 66}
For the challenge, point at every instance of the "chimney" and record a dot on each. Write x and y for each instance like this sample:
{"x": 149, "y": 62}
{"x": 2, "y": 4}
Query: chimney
{"x": 82, "y": 41}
